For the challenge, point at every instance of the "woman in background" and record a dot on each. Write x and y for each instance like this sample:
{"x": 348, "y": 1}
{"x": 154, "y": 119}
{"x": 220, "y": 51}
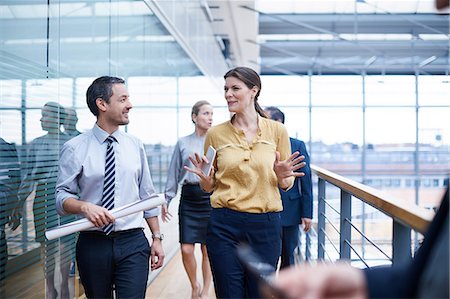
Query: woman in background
{"x": 195, "y": 207}
{"x": 253, "y": 158}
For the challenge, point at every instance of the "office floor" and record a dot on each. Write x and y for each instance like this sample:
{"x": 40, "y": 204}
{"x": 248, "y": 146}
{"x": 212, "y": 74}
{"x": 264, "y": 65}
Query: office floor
{"x": 173, "y": 283}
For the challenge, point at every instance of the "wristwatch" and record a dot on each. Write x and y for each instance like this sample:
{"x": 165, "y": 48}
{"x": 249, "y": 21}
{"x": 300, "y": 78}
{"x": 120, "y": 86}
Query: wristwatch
{"x": 158, "y": 236}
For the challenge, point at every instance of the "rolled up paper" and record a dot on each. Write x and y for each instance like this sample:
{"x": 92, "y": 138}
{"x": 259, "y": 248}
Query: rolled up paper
{"x": 84, "y": 224}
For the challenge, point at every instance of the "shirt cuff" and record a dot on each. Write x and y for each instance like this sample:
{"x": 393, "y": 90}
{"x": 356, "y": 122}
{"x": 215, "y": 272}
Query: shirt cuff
{"x": 152, "y": 213}
{"x": 62, "y": 197}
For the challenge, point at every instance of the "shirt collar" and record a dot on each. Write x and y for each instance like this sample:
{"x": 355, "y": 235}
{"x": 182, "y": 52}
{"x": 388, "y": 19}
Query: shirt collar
{"x": 260, "y": 124}
{"x": 101, "y": 134}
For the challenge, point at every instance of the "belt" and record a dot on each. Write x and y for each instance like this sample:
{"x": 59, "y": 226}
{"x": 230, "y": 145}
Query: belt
{"x": 112, "y": 234}
{"x": 191, "y": 184}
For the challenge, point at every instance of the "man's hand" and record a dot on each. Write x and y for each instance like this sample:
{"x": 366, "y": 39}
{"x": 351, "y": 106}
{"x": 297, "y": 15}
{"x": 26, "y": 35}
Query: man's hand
{"x": 306, "y": 224}
{"x": 98, "y": 215}
{"x": 157, "y": 254}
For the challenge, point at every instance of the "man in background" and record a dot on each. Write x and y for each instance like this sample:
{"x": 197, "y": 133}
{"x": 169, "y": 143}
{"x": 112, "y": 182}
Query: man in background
{"x": 297, "y": 202}
{"x": 70, "y": 122}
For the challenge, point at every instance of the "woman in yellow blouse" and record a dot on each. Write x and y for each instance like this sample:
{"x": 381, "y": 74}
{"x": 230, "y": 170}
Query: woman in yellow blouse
{"x": 253, "y": 158}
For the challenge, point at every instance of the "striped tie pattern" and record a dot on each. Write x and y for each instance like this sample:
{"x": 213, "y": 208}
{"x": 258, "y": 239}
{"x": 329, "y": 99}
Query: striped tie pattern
{"x": 109, "y": 183}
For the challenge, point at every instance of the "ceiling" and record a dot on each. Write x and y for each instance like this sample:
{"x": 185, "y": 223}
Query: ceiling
{"x": 276, "y": 37}
{"x": 344, "y": 37}
{"x": 353, "y": 44}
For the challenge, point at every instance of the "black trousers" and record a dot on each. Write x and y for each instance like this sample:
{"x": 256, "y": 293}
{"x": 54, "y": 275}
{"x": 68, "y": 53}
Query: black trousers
{"x": 227, "y": 229}
{"x": 289, "y": 243}
{"x": 119, "y": 261}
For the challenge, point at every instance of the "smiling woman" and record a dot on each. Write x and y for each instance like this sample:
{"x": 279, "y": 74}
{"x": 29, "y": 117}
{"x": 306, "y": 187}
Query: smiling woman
{"x": 253, "y": 159}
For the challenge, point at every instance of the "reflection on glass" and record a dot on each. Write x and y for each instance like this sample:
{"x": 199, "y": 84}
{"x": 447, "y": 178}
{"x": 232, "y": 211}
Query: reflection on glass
{"x": 40, "y": 174}
{"x": 9, "y": 181}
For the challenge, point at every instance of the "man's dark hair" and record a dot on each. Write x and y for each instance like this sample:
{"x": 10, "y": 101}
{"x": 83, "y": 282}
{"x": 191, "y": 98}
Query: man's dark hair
{"x": 101, "y": 88}
{"x": 275, "y": 113}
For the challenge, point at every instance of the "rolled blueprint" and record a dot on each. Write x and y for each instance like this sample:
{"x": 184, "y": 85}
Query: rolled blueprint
{"x": 84, "y": 224}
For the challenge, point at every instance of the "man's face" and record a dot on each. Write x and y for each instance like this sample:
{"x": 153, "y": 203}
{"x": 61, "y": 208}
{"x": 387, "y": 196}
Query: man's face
{"x": 119, "y": 106}
{"x": 269, "y": 115}
{"x": 50, "y": 119}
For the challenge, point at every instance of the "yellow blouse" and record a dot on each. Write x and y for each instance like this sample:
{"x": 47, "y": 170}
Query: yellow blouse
{"x": 244, "y": 177}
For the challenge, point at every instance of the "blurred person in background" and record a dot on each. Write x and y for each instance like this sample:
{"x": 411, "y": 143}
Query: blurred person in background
{"x": 9, "y": 185}
{"x": 41, "y": 171}
{"x": 195, "y": 206}
{"x": 297, "y": 202}
{"x": 70, "y": 122}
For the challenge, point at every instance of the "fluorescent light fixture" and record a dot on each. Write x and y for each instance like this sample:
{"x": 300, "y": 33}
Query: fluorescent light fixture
{"x": 376, "y": 37}
{"x": 155, "y": 38}
{"x": 26, "y": 41}
{"x": 294, "y": 37}
{"x": 120, "y": 39}
{"x": 434, "y": 36}
{"x": 345, "y": 6}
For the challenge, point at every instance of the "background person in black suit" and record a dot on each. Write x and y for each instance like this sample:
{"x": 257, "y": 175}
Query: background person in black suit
{"x": 425, "y": 276}
{"x": 297, "y": 202}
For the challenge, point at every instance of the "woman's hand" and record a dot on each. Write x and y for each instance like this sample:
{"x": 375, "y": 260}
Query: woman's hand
{"x": 286, "y": 169}
{"x": 165, "y": 215}
{"x": 206, "y": 182}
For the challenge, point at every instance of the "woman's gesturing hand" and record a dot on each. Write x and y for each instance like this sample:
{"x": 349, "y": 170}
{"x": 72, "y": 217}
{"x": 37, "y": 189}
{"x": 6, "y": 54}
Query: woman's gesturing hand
{"x": 206, "y": 182}
{"x": 165, "y": 214}
{"x": 287, "y": 168}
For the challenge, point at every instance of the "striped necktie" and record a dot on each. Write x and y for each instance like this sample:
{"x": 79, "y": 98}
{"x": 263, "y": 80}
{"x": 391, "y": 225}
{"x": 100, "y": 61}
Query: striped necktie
{"x": 109, "y": 183}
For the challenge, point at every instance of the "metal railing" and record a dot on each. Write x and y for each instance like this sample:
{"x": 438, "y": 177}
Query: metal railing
{"x": 339, "y": 202}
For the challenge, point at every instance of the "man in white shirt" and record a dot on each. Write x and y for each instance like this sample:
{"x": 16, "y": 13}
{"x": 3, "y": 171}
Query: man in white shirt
{"x": 116, "y": 254}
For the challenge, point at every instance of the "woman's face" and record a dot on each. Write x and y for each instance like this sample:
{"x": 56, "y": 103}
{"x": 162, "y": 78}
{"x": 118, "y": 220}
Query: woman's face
{"x": 203, "y": 120}
{"x": 239, "y": 97}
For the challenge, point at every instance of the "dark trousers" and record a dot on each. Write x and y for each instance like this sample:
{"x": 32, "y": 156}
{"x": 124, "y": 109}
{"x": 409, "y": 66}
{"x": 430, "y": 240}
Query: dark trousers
{"x": 227, "y": 229}
{"x": 289, "y": 243}
{"x": 119, "y": 261}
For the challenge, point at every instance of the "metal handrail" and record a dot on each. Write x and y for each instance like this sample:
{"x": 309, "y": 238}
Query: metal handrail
{"x": 413, "y": 216}
{"x": 406, "y": 217}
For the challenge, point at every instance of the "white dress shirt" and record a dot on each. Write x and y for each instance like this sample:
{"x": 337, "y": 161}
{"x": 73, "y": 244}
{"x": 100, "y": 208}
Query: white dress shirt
{"x": 82, "y": 170}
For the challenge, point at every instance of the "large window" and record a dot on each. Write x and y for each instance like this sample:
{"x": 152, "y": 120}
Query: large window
{"x": 388, "y": 131}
